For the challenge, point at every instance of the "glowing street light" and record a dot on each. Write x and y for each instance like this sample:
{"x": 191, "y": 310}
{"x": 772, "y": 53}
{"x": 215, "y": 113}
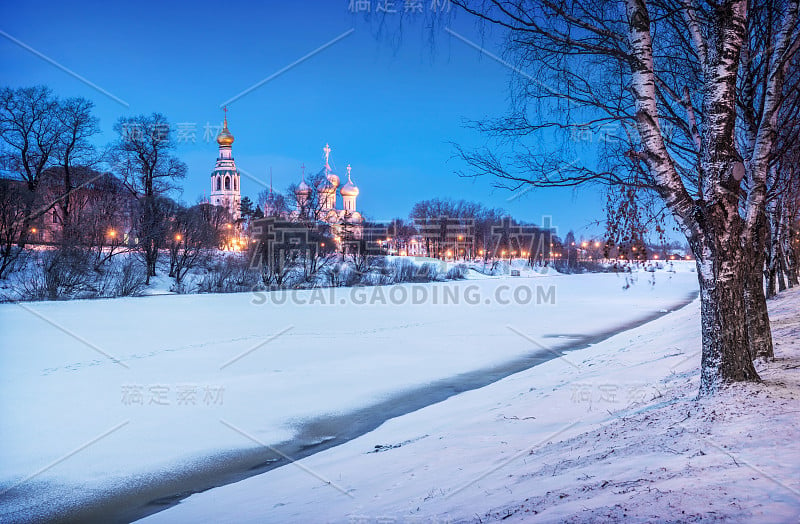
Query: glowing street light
{"x": 178, "y": 237}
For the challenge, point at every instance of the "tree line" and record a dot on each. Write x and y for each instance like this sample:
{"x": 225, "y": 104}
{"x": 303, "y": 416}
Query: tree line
{"x": 95, "y": 203}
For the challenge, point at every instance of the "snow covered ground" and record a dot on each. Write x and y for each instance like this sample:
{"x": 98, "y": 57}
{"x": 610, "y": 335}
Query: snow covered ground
{"x": 108, "y": 399}
{"x": 607, "y": 433}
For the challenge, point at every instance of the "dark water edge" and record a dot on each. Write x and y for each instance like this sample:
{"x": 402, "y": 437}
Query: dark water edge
{"x": 140, "y": 496}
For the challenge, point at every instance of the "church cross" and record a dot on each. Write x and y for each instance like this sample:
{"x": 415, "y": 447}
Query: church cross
{"x": 327, "y": 150}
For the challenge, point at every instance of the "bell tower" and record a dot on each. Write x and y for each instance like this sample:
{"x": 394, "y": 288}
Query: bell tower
{"x": 225, "y": 190}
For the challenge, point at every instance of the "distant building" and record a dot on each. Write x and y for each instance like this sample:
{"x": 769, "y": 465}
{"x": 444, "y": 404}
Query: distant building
{"x": 102, "y": 210}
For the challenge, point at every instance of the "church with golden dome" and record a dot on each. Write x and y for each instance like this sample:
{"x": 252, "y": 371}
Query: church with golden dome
{"x": 321, "y": 202}
{"x": 225, "y": 188}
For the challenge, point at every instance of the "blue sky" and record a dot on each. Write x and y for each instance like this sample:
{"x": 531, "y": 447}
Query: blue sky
{"x": 391, "y": 110}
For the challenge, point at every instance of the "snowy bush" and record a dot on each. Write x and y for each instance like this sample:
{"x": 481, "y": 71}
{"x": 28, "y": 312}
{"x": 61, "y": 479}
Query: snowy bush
{"x": 401, "y": 270}
{"x": 404, "y": 270}
{"x": 229, "y": 275}
{"x": 428, "y": 272}
{"x": 457, "y": 272}
{"x": 68, "y": 273}
{"x": 59, "y": 274}
{"x": 124, "y": 278}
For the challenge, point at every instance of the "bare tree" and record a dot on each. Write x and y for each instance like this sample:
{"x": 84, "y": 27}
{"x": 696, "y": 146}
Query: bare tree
{"x": 273, "y": 203}
{"x": 44, "y": 140}
{"x": 190, "y": 240}
{"x": 666, "y": 73}
{"x": 309, "y": 202}
{"x": 142, "y": 155}
{"x": 77, "y": 125}
{"x": 105, "y": 213}
{"x": 13, "y": 210}
{"x": 29, "y": 131}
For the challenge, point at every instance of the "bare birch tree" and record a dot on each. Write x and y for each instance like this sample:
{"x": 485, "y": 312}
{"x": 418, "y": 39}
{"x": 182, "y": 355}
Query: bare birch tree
{"x": 667, "y": 72}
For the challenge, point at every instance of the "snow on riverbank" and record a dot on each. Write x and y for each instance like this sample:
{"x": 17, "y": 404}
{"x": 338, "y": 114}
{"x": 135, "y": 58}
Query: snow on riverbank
{"x": 611, "y": 432}
{"x": 103, "y": 397}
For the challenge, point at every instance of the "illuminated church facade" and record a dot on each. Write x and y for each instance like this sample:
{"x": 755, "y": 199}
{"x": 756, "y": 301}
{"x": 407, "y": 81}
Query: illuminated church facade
{"x": 226, "y": 189}
{"x": 328, "y": 192}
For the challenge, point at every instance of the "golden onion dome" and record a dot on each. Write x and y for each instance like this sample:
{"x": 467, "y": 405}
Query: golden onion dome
{"x": 349, "y": 189}
{"x": 225, "y": 138}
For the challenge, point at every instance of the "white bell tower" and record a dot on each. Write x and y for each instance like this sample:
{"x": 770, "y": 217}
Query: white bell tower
{"x": 225, "y": 189}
